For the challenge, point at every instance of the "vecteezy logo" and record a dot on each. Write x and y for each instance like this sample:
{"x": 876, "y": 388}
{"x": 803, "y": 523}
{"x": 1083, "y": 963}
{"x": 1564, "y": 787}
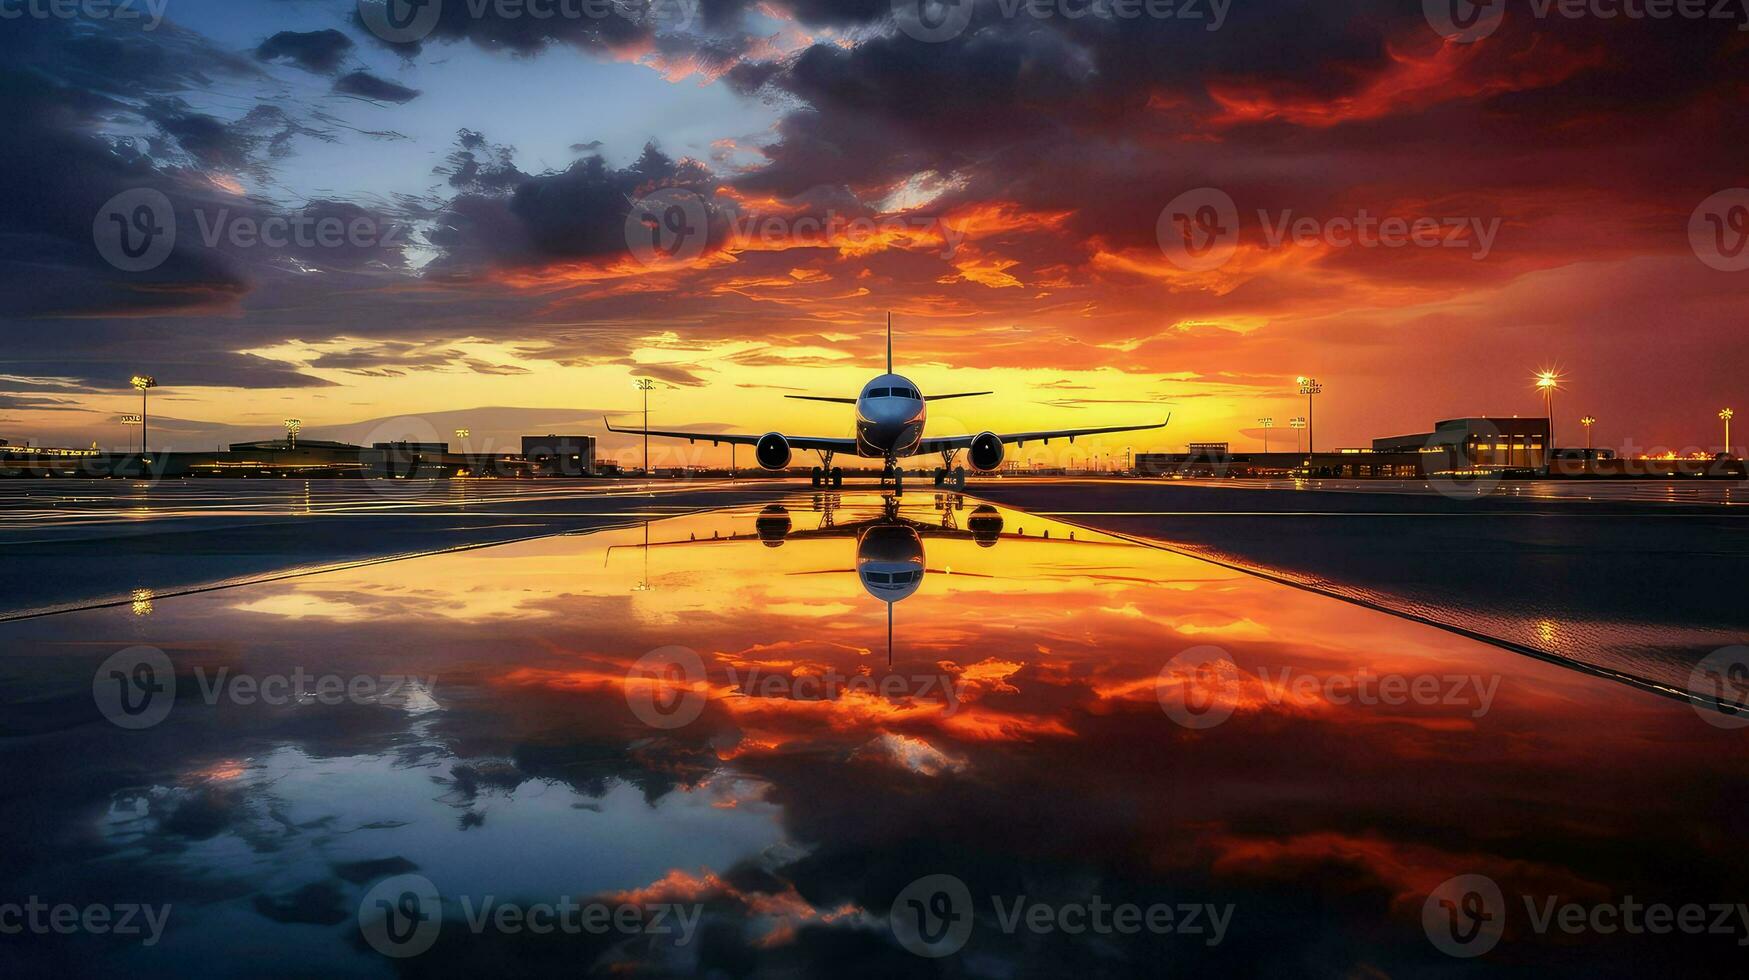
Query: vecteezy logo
{"x": 667, "y": 226}
{"x": 135, "y": 230}
{"x": 663, "y": 687}
{"x": 1465, "y": 915}
{"x": 1199, "y": 230}
{"x": 135, "y": 688}
{"x": 1718, "y": 230}
{"x": 932, "y": 917}
{"x": 931, "y": 21}
{"x": 1720, "y": 687}
{"x": 400, "y": 21}
{"x": 1195, "y": 687}
{"x": 401, "y": 916}
{"x": 1472, "y": 470}
{"x": 664, "y": 15}
{"x": 401, "y": 456}
{"x": 1464, "y": 21}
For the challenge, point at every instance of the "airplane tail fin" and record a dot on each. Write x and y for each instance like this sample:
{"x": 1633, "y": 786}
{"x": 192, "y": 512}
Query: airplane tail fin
{"x": 889, "y": 341}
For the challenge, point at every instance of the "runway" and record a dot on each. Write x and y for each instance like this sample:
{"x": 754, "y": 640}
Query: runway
{"x": 74, "y": 544}
{"x": 709, "y": 716}
{"x": 1635, "y": 581}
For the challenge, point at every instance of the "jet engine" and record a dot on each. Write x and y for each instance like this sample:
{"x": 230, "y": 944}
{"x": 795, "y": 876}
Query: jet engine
{"x": 985, "y": 525}
{"x": 773, "y": 525}
{"x": 985, "y": 452}
{"x": 772, "y": 451}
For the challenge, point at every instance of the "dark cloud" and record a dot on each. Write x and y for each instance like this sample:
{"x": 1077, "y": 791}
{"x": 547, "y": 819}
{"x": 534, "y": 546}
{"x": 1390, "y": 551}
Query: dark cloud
{"x": 679, "y": 375}
{"x": 317, "y": 51}
{"x": 511, "y": 28}
{"x": 506, "y": 217}
{"x": 37, "y": 402}
{"x": 365, "y": 85}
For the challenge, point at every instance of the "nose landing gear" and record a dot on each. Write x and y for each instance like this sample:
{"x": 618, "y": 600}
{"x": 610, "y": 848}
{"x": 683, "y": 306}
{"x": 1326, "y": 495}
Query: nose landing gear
{"x": 896, "y": 475}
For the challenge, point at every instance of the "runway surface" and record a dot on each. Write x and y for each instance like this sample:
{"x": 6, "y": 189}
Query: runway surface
{"x": 711, "y": 730}
{"x": 72, "y": 544}
{"x": 1636, "y": 580}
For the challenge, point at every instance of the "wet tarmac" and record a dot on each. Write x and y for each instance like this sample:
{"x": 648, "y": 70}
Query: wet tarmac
{"x": 829, "y": 734}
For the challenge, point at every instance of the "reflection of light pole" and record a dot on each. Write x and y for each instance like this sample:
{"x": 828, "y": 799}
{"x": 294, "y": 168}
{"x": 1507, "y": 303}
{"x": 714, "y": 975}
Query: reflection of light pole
{"x": 644, "y": 585}
{"x": 1298, "y": 422}
{"x": 1310, "y": 387}
{"x": 1588, "y": 422}
{"x": 291, "y": 432}
{"x": 1267, "y": 424}
{"x": 1548, "y": 382}
{"x": 1727, "y": 415}
{"x": 143, "y": 382}
{"x": 644, "y": 385}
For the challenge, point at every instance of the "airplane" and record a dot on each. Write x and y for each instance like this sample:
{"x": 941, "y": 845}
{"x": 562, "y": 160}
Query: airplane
{"x": 890, "y": 415}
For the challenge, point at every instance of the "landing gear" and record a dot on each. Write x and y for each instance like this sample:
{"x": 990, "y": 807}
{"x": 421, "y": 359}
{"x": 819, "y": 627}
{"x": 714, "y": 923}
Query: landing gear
{"x": 815, "y": 477}
{"x": 948, "y": 474}
{"x": 827, "y": 475}
{"x": 895, "y": 474}
{"x": 954, "y": 479}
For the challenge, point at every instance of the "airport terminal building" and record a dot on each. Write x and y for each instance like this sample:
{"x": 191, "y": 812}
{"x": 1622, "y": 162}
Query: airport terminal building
{"x": 1485, "y": 444}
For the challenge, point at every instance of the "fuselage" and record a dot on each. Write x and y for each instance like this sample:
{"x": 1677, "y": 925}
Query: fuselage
{"x": 890, "y": 413}
{"x": 889, "y": 561}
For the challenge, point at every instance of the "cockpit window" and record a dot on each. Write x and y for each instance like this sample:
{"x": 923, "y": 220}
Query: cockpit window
{"x": 879, "y": 392}
{"x": 882, "y": 577}
{"x": 904, "y": 393}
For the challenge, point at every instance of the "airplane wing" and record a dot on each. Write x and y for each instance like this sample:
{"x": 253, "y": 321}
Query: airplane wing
{"x": 823, "y": 398}
{"x": 810, "y": 443}
{"x": 937, "y": 444}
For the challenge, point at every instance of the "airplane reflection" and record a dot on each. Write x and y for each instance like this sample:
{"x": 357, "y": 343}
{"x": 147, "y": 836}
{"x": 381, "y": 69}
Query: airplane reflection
{"x": 890, "y": 560}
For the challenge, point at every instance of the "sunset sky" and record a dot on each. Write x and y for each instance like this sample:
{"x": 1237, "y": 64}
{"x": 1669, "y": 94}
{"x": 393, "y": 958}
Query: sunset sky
{"x": 1010, "y": 181}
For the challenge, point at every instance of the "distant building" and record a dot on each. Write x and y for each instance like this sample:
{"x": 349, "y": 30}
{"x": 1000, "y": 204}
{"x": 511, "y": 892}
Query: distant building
{"x": 436, "y": 448}
{"x": 1484, "y": 443}
{"x": 285, "y": 444}
{"x": 555, "y": 455}
{"x": 1454, "y": 446}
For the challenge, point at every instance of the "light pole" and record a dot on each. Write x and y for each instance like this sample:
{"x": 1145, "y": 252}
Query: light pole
{"x": 463, "y": 433}
{"x": 291, "y": 432}
{"x": 1310, "y": 387}
{"x": 1727, "y": 415}
{"x": 1548, "y": 382}
{"x": 1588, "y": 422}
{"x": 143, "y": 382}
{"x": 644, "y": 385}
{"x": 1267, "y": 423}
{"x": 1298, "y": 422}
